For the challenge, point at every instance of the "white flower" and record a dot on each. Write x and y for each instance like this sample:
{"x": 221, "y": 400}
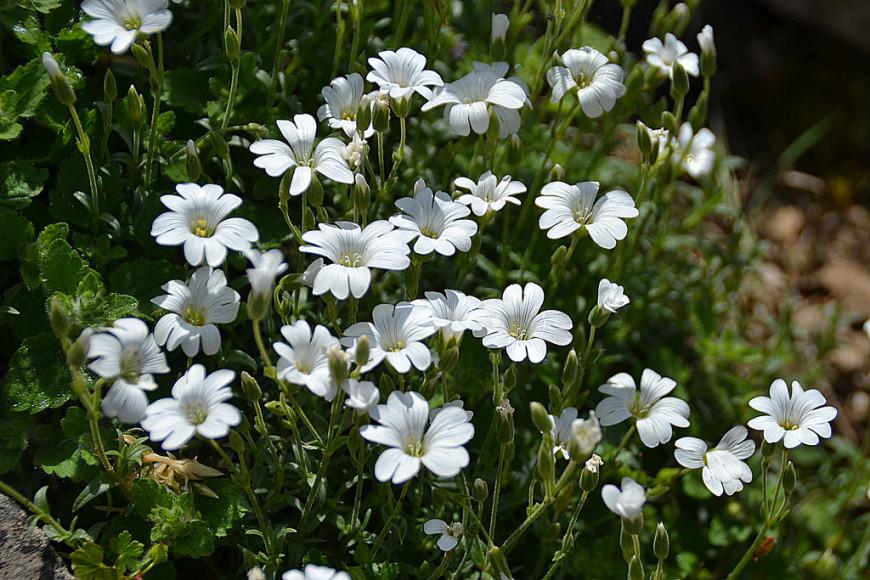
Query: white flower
{"x": 562, "y": 431}
{"x": 267, "y": 266}
{"x": 597, "y": 80}
{"x": 695, "y": 153}
{"x": 402, "y": 73}
{"x": 500, "y": 25}
{"x": 355, "y": 153}
{"x": 119, "y": 22}
{"x": 396, "y": 334}
{"x": 196, "y": 406}
{"x": 327, "y": 159}
{"x": 196, "y": 219}
{"x": 516, "y": 323}
{"x": 611, "y": 296}
{"x": 194, "y": 310}
{"x": 127, "y": 355}
{"x": 353, "y": 251}
{"x": 51, "y": 66}
{"x": 652, "y": 411}
{"x": 705, "y": 39}
{"x": 362, "y": 396}
{"x": 794, "y": 420}
{"x": 315, "y": 572}
{"x": 304, "y": 361}
{"x": 663, "y": 56}
{"x": 449, "y": 534}
{"x": 435, "y": 221}
{"x": 571, "y": 207}
{"x": 342, "y": 98}
{"x": 722, "y": 467}
{"x": 489, "y": 193}
{"x": 454, "y": 403}
{"x": 403, "y": 429}
{"x": 310, "y": 273}
{"x": 470, "y": 100}
{"x": 594, "y": 463}
{"x": 586, "y": 434}
{"x": 626, "y": 502}
{"x": 453, "y": 313}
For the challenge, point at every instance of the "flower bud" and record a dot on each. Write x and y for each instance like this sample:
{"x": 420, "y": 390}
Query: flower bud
{"x": 498, "y": 36}
{"x": 589, "y": 475}
{"x": 555, "y": 396}
{"x": 708, "y": 51}
{"x": 669, "y": 121}
{"x": 361, "y": 351}
{"x": 509, "y": 381}
{"x": 676, "y": 20}
{"x": 364, "y": 114}
{"x": 557, "y": 173}
{"x": 63, "y": 91}
{"x": 515, "y": 150}
{"x": 644, "y": 141}
{"x": 633, "y": 526}
{"x": 381, "y": 114}
{"x": 505, "y": 413}
{"x": 135, "y": 108}
{"x": 546, "y": 461}
{"x": 401, "y": 106}
{"x": 237, "y": 442}
{"x": 110, "y": 86}
{"x": 448, "y": 359}
{"x": 789, "y": 478}
{"x": 767, "y": 449}
{"x": 250, "y": 388}
{"x": 679, "y": 82}
{"x": 626, "y": 545}
{"x": 234, "y": 49}
{"x": 558, "y": 257}
{"x": 144, "y": 57}
{"x": 698, "y": 114}
{"x": 191, "y": 158}
{"x": 540, "y": 417}
{"x": 480, "y": 490}
{"x": 598, "y": 316}
{"x": 635, "y": 569}
{"x": 275, "y": 407}
{"x": 59, "y": 317}
{"x": 220, "y": 145}
{"x": 661, "y": 542}
{"x": 338, "y": 360}
{"x": 361, "y": 192}
{"x": 77, "y": 353}
{"x": 315, "y": 191}
{"x": 571, "y": 369}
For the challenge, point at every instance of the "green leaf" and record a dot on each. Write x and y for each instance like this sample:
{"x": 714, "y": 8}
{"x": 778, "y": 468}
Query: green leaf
{"x": 45, "y": 6}
{"x": 14, "y": 431}
{"x": 20, "y": 181}
{"x": 17, "y": 230}
{"x": 62, "y": 268}
{"x": 148, "y": 494}
{"x": 182, "y": 89}
{"x": 129, "y": 551}
{"x": 142, "y": 278}
{"x": 31, "y": 265}
{"x": 24, "y": 90}
{"x": 223, "y": 513}
{"x": 29, "y": 31}
{"x": 196, "y": 542}
{"x": 37, "y": 378}
{"x": 94, "y": 489}
{"x": 87, "y": 563}
{"x": 77, "y": 46}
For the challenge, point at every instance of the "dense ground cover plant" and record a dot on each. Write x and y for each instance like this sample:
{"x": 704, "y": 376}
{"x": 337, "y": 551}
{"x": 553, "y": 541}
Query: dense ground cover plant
{"x": 378, "y": 289}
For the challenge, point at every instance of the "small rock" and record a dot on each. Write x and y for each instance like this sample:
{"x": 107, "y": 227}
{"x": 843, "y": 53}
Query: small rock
{"x": 25, "y": 552}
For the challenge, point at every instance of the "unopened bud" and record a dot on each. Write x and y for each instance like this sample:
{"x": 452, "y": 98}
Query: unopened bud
{"x": 557, "y": 173}
{"x": 237, "y": 442}
{"x": 789, "y": 478}
{"x": 635, "y": 569}
{"x": 558, "y": 257}
{"x": 546, "y": 460}
{"x": 480, "y": 490}
{"x": 698, "y": 114}
{"x": 234, "y": 49}
{"x": 59, "y": 83}
{"x": 598, "y": 316}
{"x": 144, "y": 57}
{"x": 661, "y": 542}
{"x": 250, "y": 388}
{"x": 644, "y": 141}
{"x": 669, "y": 121}
{"x": 555, "y": 396}
{"x": 110, "y": 86}
{"x": 448, "y": 359}
{"x": 364, "y": 114}
{"x": 77, "y": 353}
{"x": 509, "y": 381}
{"x": 381, "y": 114}
{"x": 540, "y": 417}
{"x": 220, "y": 145}
{"x": 571, "y": 369}
{"x": 194, "y": 169}
{"x": 679, "y": 82}
{"x": 361, "y": 192}
{"x": 315, "y": 191}
{"x": 338, "y": 360}
{"x": 361, "y": 351}
{"x": 135, "y": 108}
{"x": 59, "y": 317}
{"x": 515, "y": 150}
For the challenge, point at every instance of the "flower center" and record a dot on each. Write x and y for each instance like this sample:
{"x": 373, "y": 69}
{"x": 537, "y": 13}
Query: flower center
{"x": 583, "y": 81}
{"x": 400, "y": 344}
{"x": 348, "y": 116}
{"x": 429, "y": 232}
{"x": 638, "y": 409}
{"x": 790, "y": 425}
{"x": 582, "y": 215}
{"x": 351, "y": 259}
{"x": 202, "y": 229}
{"x": 197, "y": 412}
{"x": 518, "y": 331}
{"x": 131, "y": 22}
{"x": 194, "y": 315}
{"x": 414, "y": 446}
{"x": 130, "y": 366}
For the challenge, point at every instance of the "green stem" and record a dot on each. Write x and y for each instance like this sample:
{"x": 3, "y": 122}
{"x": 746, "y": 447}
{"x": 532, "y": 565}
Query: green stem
{"x": 568, "y": 538}
{"x": 625, "y": 439}
{"x": 234, "y": 75}
{"x": 157, "y": 86}
{"x": 354, "y": 45}
{"x": 496, "y": 494}
{"x": 85, "y": 148}
{"x": 331, "y": 433}
{"x": 383, "y": 534}
{"x": 735, "y": 573}
{"x": 339, "y": 37}
{"x": 41, "y": 515}
{"x": 279, "y": 43}
{"x": 623, "y": 25}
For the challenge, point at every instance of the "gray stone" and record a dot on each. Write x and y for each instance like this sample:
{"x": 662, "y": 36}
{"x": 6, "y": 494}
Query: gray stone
{"x": 25, "y": 552}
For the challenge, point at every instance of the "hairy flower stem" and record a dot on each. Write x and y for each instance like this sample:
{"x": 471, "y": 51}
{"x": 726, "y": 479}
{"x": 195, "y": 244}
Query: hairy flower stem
{"x": 559, "y": 271}
{"x": 568, "y": 538}
{"x": 383, "y": 533}
{"x": 331, "y": 433}
{"x": 234, "y": 75}
{"x": 584, "y": 363}
{"x": 381, "y": 156}
{"x": 623, "y": 25}
{"x": 157, "y": 87}
{"x": 496, "y": 494}
{"x": 85, "y": 149}
{"x": 354, "y": 44}
{"x": 279, "y": 43}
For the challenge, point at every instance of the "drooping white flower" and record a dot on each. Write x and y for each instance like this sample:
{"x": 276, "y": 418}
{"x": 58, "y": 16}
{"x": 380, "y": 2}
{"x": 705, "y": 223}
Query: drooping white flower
{"x": 586, "y": 435}
{"x": 362, "y": 396}
{"x": 448, "y": 534}
{"x": 395, "y": 333}
{"x": 304, "y": 360}
{"x": 695, "y": 152}
{"x": 470, "y": 100}
{"x": 626, "y": 502}
{"x": 663, "y": 55}
{"x": 127, "y": 355}
{"x": 118, "y": 23}
{"x": 402, "y": 73}
{"x": 194, "y": 310}
{"x": 51, "y": 66}
{"x": 403, "y": 428}
{"x": 611, "y": 296}
{"x": 705, "y": 39}
{"x": 797, "y": 419}
{"x": 489, "y": 193}
{"x": 267, "y": 266}
{"x": 500, "y": 24}
{"x": 355, "y": 153}
{"x": 342, "y": 98}
{"x": 197, "y": 219}
{"x": 562, "y": 431}
{"x": 515, "y": 322}
{"x": 435, "y": 220}
{"x": 327, "y": 159}
{"x": 571, "y": 207}
{"x": 353, "y": 251}
{"x": 196, "y": 407}
{"x": 594, "y": 463}
{"x": 652, "y": 411}
{"x": 597, "y": 80}
{"x": 722, "y": 468}
{"x": 315, "y": 572}
{"x": 453, "y": 313}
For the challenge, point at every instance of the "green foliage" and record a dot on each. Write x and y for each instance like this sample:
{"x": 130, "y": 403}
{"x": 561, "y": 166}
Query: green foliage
{"x": 37, "y": 378}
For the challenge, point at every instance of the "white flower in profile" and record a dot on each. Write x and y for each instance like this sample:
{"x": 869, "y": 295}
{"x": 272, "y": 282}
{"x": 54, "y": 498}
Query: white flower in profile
{"x": 695, "y": 152}
{"x": 196, "y": 407}
{"x": 315, "y": 572}
{"x": 453, "y": 313}
{"x": 395, "y": 333}
{"x": 722, "y": 468}
{"x": 118, "y": 23}
{"x": 562, "y": 431}
{"x": 267, "y": 266}
{"x": 403, "y": 428}
{"x": 435, "y": 220}
{"x": 597, "y": 80}
{"x": 310, "y": 273}
{"x": 470, "y": 100}
{"x": 353, "y": 251}
{"x": 51, "y": 66}
{"x": 197, "y": 219}
{"x": 611, "y": 296}
{"x": 663, "y": 55}
{"x": 327, "y": 159}
{"x": 355, "y": 153}
{"x": 449, "y": 534}
{"x": 652, "y": 411}
{"x": 402, "y": 73}
{"x": 515, "y": 322}
{"x": 626, "y": 502}
{"x": 342, "y": 98}
{"x": 304, "y": 360}
{"x": 797, "y": 419}
{"x": 127, "y": 355}
{"x": 194, "y": 310}
{"x": 489, "y": 193}
{"x": 586, "y": 435}
{"x": 705, "y": 39}
{"x": 569, "y": 208}
{"x": 500, "y": 24}
{"x": 362, "y": 396}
